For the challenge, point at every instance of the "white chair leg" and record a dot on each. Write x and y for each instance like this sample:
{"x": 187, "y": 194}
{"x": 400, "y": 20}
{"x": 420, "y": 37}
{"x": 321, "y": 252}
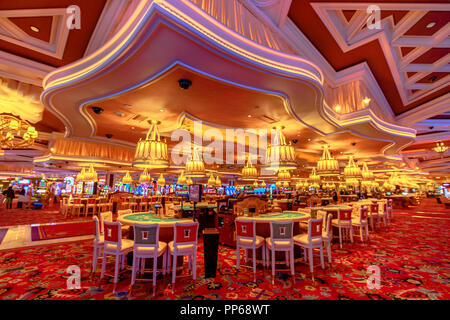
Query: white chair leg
{"x": 194, "y": 262}
{"x": 254, "y": 264}
{"x": 351, "y": 234}
{"x": 273, "y": 265}
{"x": 164, "y": 263}
{"x": 133, "y": 271}
{"x": 361, "y": 234}
{"x": 340, "y": 237}
{"x": 103, "y": 265}
{"x": 238, "y": 257}
{"x": 94, "y": 260}
{"x": 329, "y": 251}
{"x": 291, "y": 256}
{"x": 155, "y": 261}
{"x": 321, "y": 257}
{"x": 305, "y": 256}
{"x": 286, "y": 258}
{"x": 311, "y": 260}
{"x": 174, "y": 270}
{"x": 116, "y": 269}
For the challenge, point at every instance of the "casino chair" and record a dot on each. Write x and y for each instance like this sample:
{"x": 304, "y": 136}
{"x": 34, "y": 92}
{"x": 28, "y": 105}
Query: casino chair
{"x": 91, "y": 205}
{"x": 133, "y": 205}
{"x": 116, "y": 246}
{"x": 362, "y": 223}
{"x": 143, "y": 205}
{"x": 344, "y": 223}
{"x": 105, "y": 216}
{"x": 374, "y": 215}
{"x": 147, "y": 245}
{"x": 327, "y": 234}
{"x": 247, "y": 239}
{"x": 77, "y": 207}
{"x": 99, "y": 242}
{"x": 390, "y": 209}
{"x": 312, "y": 240}
{"x": 184, "y": 244}
{"x": 281, "y": 240}
{"x": 126, "y": 229}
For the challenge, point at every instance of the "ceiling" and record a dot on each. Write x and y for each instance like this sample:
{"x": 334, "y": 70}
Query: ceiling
{"x": 411, "y": 72}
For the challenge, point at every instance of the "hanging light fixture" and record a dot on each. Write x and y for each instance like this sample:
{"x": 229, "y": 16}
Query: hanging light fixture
{"x": 352, "y": 182}
{"x": 145, "y": 177}
{"x": 286, "y": 184}
{"x": 189, "y": 182}
{"x": 278, "y": 184}
{"x": 284, "y": 175}
{"x": 195, "y": 168}
{"x": 181, "y": 178}
{"x": 249, "y": 172}
{"x": 16, "y": 133}
{"x": 90, "y": 175}
{"x": 161, "y": 181}
{"x": 81, "y": 175}
{"x": 263, "y": 184}
{"x": 218, "y": 181}
{"x": 127, "y": 179}
{"x": 366, "y": 173}
{"x": 440, "y": 148}
{"x": 327, "y": 165}
{"x": 314, "y": 177}
{"x": 151, "y": 152}
{"x": 211, "y": 180}
{"x": 352, "y": 170}
{"x": 281, "y": 155}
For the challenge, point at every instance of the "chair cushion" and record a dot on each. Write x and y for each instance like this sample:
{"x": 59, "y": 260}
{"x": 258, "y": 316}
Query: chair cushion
{"x": 146, "y": 251}
{"x": 335, "y": 223}
{"x": 127, "y": 245}
{"x": 280, "y": 244}
{"x": 357, "y": 222}
{"x": 183, "y": 248}
{"x": 249, "y": 243}
{"x": 303, "y": 239}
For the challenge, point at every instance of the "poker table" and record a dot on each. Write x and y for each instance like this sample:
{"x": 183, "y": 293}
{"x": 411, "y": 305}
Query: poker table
{"x": 190, "y": 207}
{"x": 207, "y": 218}
{"x": 334, "y": 209}
{"x": 284, "y": 216}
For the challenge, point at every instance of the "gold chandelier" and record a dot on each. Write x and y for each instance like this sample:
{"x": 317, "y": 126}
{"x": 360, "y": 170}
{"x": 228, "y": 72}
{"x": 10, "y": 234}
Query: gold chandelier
{"x": 314, "y": 177}
{"x": 151, "y": 152}
{"x": 127, "y": 179}
{"x": 218, "y": 182}
{"x": 327, "y": 165}
{"x": 80, "y": 175}
{"x": 189, "y": 181}
{"x": 280, "y": 154}
{"x": 352, "y": 170}
{"x": 211, "y": 180}
{"x": 249, "y": 172}
{"x": 161, "y": 181}
{"x": 181, "y": 178}
{"x": 352, "y": 182}
{"x": 440, "y": 147}
{"x": 255, "y": 184}
{"x": 90, "y": 175}
{"x": 284, "y": 175}
{"x": 16, "y": 133}
{"x": 145, "y": 177}
{"x": 195, "y": 168}
{"x": 286, "y": 184}
{"x": 263, "y": 184}
{"x": 366, "y": 173}
{"x": 278, "y": 184}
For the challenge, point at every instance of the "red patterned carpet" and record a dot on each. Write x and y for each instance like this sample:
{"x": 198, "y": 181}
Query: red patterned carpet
{"x": 413, "y": 257}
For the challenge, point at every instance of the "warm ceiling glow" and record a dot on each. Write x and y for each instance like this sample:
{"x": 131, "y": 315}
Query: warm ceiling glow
{"x": 431, "y": 25}
{"x": 337, "y": 108}
{"x": 35, "y": 29}
{"x": 366, "y": 102}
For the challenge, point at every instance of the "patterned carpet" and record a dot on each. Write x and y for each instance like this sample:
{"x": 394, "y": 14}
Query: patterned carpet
{"x": 14, "y": 217}
{"x": 413, "y": 257}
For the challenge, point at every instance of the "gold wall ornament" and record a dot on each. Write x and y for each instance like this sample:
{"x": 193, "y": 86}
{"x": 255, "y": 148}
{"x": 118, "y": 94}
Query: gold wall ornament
{"x": 127, "y": 179}
{"x": 161, "y": 181}
{"x": 281, "y": 155}
{"x": 366, "y": 173}
{"x": 249, "y": 172}
{"x": 16, "y": 133}
{"x": 352, "y": 170}
{"x": 195, "y": 168}
{"x": 151, "y": 152}
{"x": 145, "y": 177}
{"x": 327, "y": 164}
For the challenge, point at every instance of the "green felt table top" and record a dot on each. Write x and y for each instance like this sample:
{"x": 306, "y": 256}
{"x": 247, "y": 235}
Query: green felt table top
{"x": 286, "y": 215}
{"x": 146, "y": 218}
{"x": 198, "y": 206}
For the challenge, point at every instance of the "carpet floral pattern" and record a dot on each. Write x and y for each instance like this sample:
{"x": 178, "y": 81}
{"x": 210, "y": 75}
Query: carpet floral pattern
{"x": 413, "y": 257}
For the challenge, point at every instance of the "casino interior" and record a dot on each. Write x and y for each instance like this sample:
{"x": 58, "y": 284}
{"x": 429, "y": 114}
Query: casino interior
{"x": 224, "y": 150}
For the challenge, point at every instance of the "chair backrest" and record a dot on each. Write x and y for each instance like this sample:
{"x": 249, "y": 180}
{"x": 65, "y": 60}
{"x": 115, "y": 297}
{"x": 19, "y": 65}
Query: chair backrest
{"x": 281, "y": 231}
{"x": 113, "y": 234}
{"x": 345, "y": 214}
{"x": 97, "y": 228}
{"x": 315, "y": 229}
{"x": 146, "y": 235}
{"x": 91, "y": 201}
{"x": 105, "y": 216}
{"x": 122, "y": 212}
{"x": 328, "y": 229}
{"x": 363, "y": 211}
{"x": 133, "y": 200}
{"x": 374, "y": 208}
{"x": 77, "y": 201}
{"x": 245, "y": 229}
{"x": 185, "y": 233}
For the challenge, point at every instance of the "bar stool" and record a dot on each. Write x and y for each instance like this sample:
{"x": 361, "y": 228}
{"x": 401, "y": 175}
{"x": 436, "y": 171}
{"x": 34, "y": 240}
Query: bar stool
{"x": 246, "y": 239}
{"x": 147, "y": 245}
{"x": 281, "y": 240}
{"x": 184, "y": 244}
{"x": 115, "y": 245}
{"x": 344, "y": 222}
{"x": 312, "y": 240}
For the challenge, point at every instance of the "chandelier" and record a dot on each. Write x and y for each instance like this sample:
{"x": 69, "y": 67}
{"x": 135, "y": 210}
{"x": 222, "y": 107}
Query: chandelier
{"x": 189, "y": 181}
{"x": 263, "y": 184}
{"x": 284, "y": 175}
{"x": 314, "y": 177}
{"x": 80, "y": 175}
{"x": 151, "y": 152}
{"x": 211, "y": 180}
{"x": 280, "y": 154}
{"x": 440, "y": 147}
{"x": 127, "y": 179}
{"x": 286, "y": 184}
{"x": 366, "y": 173}
{"x": 327, "y": 165}
{"x": 161, "y": 181}
{"x": 218, "y": 182}
{"x": 195, "y": 168}
{"x": 278, "y": 184}
{"x": 16, "y": 133}
{"x": 90, "y": 175}
{"x": 352, "y": 170}
{"x": 352, "y": 182}
{"x": 249, "y": 172}
{"x": 181, "y": 178}
{"x": 255, "y": 184}
{"x": 145, "y": 177}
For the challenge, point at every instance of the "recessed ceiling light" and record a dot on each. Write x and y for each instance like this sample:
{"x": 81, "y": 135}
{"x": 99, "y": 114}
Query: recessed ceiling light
{"x": 249, "y": 116}
{"x": 128, "y": 106}
{"x": 161, "y": 110}
{"x": 337, "y": 108}
{"x": 119, "y": 114}
{"x": 431, "y": 25}
{"x": 35, "y": 29}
